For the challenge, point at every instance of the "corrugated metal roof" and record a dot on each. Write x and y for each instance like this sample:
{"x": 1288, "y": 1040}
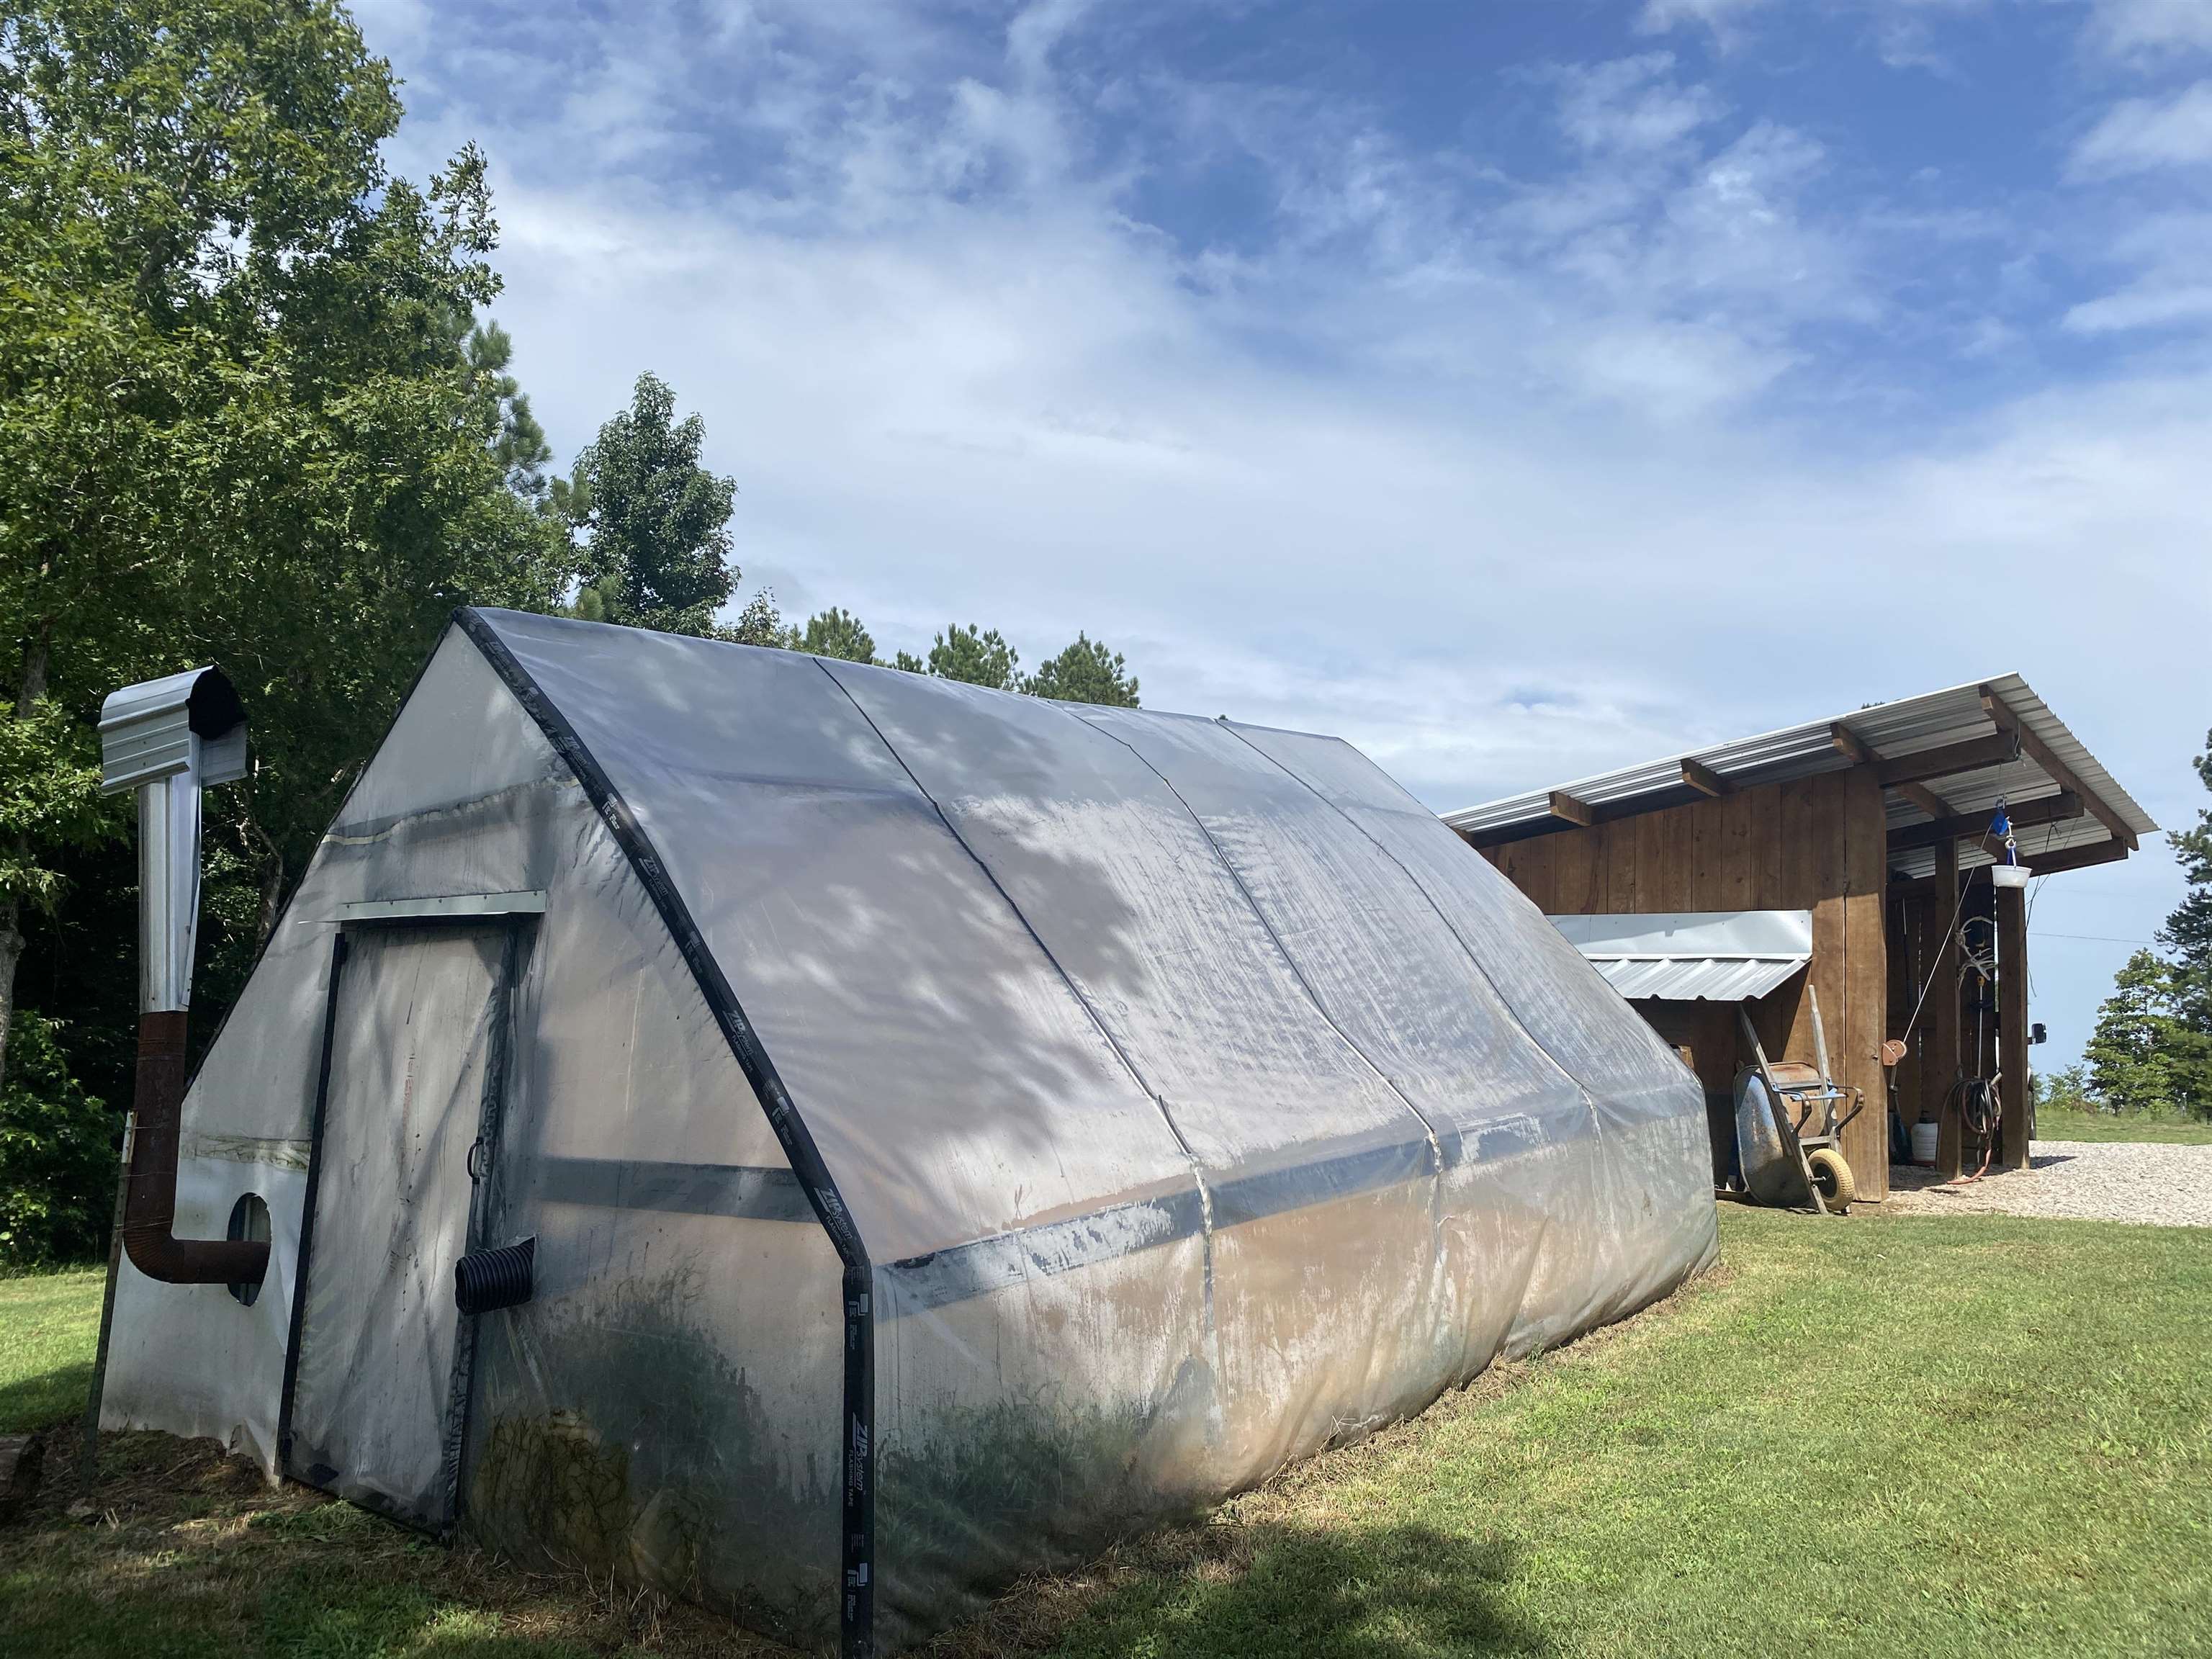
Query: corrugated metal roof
{"x": 1709, "y": 979}
{"x": 1701, "y": 955}
{"x": 1891, "y": 730}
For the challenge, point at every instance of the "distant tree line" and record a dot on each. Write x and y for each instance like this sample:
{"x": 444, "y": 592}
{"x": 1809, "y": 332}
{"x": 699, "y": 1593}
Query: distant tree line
{"x": 252, "y": 411}
{"x": 2151, "y": 1052}
{"x": 649, "y": 526}
{"x": 2152, "y": 1049}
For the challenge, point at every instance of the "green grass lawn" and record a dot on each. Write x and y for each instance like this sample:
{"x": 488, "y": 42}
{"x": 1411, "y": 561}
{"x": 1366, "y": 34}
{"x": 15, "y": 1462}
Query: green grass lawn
{"x": 2053, "y": 1124}
{"x": 1968, "y": 1435}
{"x": 49, "y": 1325}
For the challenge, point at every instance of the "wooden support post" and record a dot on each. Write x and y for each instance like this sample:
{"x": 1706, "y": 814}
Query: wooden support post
{"x": 2012, "y": 1023}
{"x": 1940, "y": 1069}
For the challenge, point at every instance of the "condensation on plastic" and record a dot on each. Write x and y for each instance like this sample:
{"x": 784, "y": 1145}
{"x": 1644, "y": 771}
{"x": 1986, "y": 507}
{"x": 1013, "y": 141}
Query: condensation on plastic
{"x": 1199, "y": 1099}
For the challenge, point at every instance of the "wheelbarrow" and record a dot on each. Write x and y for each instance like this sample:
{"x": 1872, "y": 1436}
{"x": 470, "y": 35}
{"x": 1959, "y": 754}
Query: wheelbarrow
{"x": 1790, "y": 1119}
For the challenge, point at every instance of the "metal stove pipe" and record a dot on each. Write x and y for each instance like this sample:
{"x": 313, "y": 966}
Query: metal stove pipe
{"x": 168, "y": 740}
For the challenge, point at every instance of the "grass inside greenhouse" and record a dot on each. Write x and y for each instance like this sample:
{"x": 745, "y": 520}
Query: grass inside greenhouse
{"x": 1938, "y": 1436}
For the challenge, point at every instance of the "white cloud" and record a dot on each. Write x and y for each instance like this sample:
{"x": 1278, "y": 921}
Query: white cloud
{"x": 2169, "y": 253}
{"x": 2139, "y": 134}
{"x": 2144, "y": 304}
{"x": 1718, "y": 16}
{"x": 2146, "y": 29}
{"x": 1632, "y": 104}
{"x": 1445, "y": 456}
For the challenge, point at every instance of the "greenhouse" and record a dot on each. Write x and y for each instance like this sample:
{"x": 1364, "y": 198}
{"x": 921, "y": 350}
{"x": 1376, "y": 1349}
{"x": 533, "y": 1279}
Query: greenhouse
{"x": 889, "y": 1135}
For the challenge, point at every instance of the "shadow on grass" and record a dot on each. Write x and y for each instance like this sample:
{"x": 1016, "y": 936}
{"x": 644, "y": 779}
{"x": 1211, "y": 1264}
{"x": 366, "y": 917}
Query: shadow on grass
{"x": 28, "y": 1403}
{"x": 1287, "y": 1591}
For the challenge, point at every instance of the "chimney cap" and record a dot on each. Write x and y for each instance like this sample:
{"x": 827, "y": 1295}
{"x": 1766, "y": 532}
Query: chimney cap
{"x": 148, "y": 731}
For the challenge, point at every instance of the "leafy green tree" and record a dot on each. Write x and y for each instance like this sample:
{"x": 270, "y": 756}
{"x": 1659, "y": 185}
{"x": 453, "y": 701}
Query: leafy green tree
{"x": 57, "y": 1155}
{"x": 1086, "y": 671}
{"x": 979, "y": 657}
{"x": 2066, "y": 1089}
{"x": 240, "y": 415}
{"x": 51, "y": 801}
{"x": 657, "y": 523}
{"x": 833, "y": 633}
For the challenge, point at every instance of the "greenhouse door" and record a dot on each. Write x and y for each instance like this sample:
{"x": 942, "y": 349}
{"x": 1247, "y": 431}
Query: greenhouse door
{"x": 377, "y": 1379}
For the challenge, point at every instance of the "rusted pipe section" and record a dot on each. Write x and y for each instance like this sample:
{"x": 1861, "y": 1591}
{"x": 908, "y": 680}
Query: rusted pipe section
{"x": 149, "y": 1203}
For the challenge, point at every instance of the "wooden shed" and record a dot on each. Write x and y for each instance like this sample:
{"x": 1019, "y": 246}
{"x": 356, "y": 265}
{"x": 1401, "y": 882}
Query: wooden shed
{"x": 1876, "y": 829}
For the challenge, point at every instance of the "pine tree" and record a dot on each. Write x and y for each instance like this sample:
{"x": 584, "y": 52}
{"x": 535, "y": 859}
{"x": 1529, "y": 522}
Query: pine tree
{"x": 833, "y": 633}
{"x": 978, "y": 657}
{"x": 2188, "y": 935}
{"x": 1086, "y": 671}
{"x": 2131, "y": 1054}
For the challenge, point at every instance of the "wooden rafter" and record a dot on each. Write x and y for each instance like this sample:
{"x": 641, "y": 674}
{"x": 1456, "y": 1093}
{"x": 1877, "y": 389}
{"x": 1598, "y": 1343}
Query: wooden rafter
{"x": 2076, "y": 858}
{"x": 1703, "y": 779}
{"x": 1973, "y": 826}
{"x": 1570, "y": 809}
{"x": 1849, "y": 745}
{"x": 2043, "y": 864}
{"x": 2059, "y": 773}
{"x": 1924, "y": 798}
{"x": 1974, "y": 754}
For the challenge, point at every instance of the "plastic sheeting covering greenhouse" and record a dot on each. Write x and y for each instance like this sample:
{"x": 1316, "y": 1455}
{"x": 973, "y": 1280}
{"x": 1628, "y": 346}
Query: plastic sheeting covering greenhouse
{"x": 956, "y": 1128}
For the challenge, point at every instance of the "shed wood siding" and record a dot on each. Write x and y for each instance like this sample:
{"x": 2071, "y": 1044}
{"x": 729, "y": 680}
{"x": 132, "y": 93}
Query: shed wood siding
{"x": 1817, "y": 844}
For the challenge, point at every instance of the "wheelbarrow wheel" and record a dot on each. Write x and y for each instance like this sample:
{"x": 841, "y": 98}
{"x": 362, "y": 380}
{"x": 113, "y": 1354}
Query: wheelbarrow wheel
{"x": 1833, "y": 1177}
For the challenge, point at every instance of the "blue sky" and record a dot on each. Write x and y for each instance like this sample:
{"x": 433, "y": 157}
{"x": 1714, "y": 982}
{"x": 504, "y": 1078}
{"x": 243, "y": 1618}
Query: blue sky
{"x": 1518, "y": 389}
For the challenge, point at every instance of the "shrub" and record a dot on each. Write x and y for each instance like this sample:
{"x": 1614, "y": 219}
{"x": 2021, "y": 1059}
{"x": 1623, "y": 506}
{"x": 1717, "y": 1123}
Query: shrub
{"x": 57, "y": 1148}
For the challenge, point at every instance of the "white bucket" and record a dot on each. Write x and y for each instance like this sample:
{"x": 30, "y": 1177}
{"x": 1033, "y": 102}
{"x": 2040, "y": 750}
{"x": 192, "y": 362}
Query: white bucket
{"x": 2009, "y": 875}
{"x": 1924, "y": 1142}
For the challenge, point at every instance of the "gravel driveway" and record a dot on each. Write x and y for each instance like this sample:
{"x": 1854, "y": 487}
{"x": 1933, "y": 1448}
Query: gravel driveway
{"x": 2164, "y": 1186}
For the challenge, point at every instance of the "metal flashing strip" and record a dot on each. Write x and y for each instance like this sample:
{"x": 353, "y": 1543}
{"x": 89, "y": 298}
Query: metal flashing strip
{"x": 443, "y": 906}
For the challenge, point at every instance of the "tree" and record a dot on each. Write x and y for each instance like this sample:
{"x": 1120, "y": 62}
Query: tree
{"x": 2188, "y": 935}
{"x": 658, "y": 553}
{"x": 977, "y": 657}
{"x": 2131, "y": 1054}
{"x": 57, "y": 1160}
{"x": 1086, "y": 671}
{"x": 833, "y": 633}
{"x": 520, "y": 448}
{"x": 242, "y": 417}
{"x": 51, "y": 801}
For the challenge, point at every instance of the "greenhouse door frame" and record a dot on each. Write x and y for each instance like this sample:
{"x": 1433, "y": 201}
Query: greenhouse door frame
{"x": 516, "y": 928}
